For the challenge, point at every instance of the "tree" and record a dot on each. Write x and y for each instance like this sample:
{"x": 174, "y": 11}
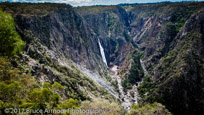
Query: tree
{"x": 14, "y": 86}
{"x": 47, "y": 97}
{"x": 11, "y": 42}
{"x": 57, "y": 87}
{"x": 47, "y": 85}
{"x": 70, "y": 103}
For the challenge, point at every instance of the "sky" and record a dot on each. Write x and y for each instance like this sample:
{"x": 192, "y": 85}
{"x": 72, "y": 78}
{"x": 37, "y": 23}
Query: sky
{"x": 93, "y": 2}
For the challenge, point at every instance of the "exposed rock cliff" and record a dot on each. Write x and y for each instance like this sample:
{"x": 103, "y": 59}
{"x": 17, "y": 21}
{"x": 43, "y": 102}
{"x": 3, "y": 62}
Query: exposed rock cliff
{"x": 171, "y": 38}
{"x": 59, "y": 44}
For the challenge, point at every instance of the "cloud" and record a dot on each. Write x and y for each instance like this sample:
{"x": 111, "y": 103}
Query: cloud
{"x": 92, "y": 2}
{"x": 57, "y": 1}
{"x": 72, "y": 1}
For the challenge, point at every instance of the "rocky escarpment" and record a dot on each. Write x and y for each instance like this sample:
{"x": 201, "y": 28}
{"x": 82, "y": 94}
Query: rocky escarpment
{"x": 179, "y": 75}
{"x": 111, "y": 24}
{"x": 59, "y": 45}
{"x": 65, "y": 33}
{"x": 171, "y": 42}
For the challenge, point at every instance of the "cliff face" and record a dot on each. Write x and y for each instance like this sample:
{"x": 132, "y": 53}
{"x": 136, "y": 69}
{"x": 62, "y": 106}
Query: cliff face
{"x": 171, "y": 38}
{"x": 65, "y": 33}
{"x": 60, "y": 40}
{"x": 179, "y": 75}
{"x": 59, "y": 43}
{"x": 111, "y": 24}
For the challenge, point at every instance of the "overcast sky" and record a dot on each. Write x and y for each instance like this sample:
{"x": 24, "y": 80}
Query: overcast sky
{"x": 94, "y": 2}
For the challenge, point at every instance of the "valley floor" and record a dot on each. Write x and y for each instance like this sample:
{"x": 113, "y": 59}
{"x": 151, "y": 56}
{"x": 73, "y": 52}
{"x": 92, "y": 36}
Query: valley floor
{"x": 126, "y": 99}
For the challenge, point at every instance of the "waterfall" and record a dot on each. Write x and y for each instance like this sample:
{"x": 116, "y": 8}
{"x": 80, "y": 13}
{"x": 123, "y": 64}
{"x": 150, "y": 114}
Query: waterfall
{"x": 102, "y": 53}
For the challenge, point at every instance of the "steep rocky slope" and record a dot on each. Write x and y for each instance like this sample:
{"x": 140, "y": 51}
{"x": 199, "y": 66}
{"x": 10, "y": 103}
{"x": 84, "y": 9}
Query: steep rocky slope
{"x": 111, "y": 24}
{"x": 171, "y": 39}
{"x": 59, "y": 46}
{"x": 178, "y": 77}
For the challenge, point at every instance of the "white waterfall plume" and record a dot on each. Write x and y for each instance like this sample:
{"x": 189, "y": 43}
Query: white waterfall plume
{"x": 102, "y": 53}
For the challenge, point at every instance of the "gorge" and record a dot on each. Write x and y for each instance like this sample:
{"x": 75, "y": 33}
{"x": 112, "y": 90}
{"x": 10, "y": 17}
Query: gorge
{"x": 128, "y": 58}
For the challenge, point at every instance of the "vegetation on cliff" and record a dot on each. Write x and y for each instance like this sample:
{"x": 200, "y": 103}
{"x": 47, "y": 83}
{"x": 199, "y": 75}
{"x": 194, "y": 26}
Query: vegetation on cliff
{"x": 135, "y": 72}
{"x": 176, "y": 70}
{"x": 11, "y": 42}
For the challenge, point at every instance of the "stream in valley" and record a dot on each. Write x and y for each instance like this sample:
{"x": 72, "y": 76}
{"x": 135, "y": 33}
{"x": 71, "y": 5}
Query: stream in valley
{"x": 127, "y": 99}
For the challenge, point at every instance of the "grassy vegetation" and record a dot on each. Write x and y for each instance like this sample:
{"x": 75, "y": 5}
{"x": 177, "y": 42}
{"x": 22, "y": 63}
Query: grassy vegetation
{"x": 110, "y": 108}
{"x": 149, "y": 109}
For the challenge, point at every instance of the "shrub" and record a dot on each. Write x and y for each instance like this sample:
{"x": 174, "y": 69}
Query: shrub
{"x": 70, "y": 103}
{"x": 110, "y": 108}
{"x": 149, "y": 109}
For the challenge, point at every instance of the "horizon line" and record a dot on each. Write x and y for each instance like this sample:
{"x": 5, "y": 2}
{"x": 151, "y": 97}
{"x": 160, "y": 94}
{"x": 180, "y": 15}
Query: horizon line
{"x": 120, "y": 4}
